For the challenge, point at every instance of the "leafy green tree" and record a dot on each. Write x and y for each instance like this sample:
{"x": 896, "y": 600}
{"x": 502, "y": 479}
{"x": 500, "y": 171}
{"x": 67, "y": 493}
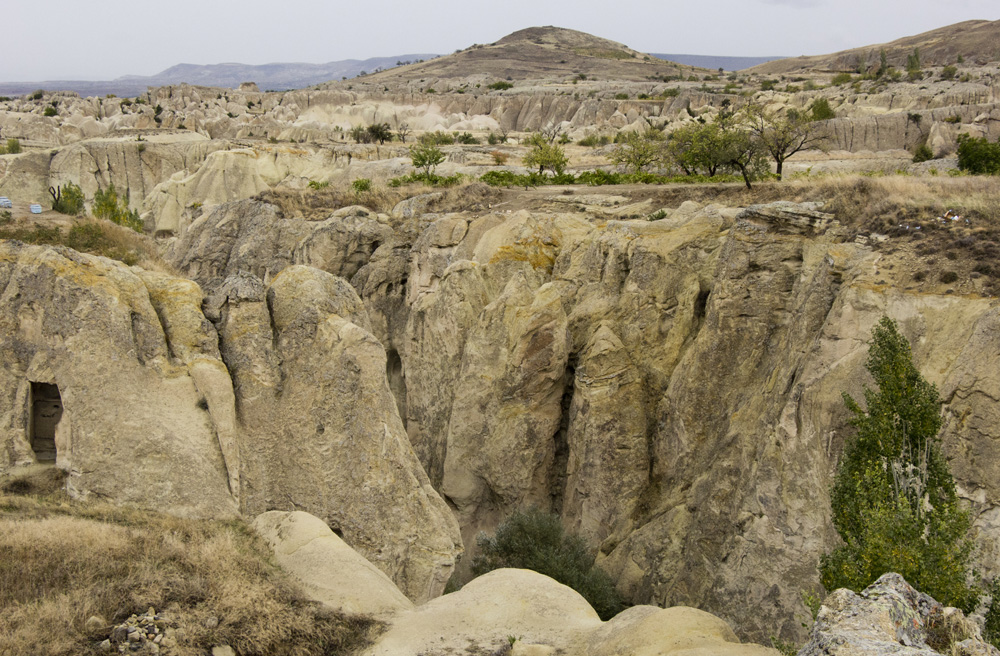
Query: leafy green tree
{"x": 546, "y": 156}
{"x": 108, "y": 204}
{"x": 426, "y": 157}
{"x": 894, "y": 501}
{"x": 782, "y": 134}
{"x": 742, "y": 150}
{"x": 977, "y": 155}
{"x": 380, "y": 132}
{"x": 697, "y": 148}
{"x": 535, "y": 540}
{"x": 639, "y": 150}
{"x": 13, "y": 147}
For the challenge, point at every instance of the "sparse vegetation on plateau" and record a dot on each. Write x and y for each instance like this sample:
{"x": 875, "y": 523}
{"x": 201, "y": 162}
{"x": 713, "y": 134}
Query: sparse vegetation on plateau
{"x": 109, "y": 205}
{"x": 63, "y": 562}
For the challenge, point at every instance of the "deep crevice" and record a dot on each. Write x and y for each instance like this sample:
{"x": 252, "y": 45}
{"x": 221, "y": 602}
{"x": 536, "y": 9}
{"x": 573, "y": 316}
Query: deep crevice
{"x": 558, "y": 472}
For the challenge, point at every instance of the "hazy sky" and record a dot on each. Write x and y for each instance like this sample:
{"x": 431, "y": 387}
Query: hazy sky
{"x": 83, "y": 39}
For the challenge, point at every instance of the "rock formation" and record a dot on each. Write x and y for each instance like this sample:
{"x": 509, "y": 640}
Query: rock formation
{"x": 890, "y": 617}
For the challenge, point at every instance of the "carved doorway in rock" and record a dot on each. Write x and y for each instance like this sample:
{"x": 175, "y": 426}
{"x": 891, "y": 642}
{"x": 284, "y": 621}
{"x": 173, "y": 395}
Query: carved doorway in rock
{"x": 46, "y": 411}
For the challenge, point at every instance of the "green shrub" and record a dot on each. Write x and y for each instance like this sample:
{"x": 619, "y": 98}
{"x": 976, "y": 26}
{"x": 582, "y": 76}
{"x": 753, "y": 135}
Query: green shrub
{"x": 670, "y": 92}
{"x": 821, "y": 110}
{"x": 317, "y": 185}
{"x": 425, "y": 157}
{"x": 768, "y": 85}
{"x": 894, "y": 501}
{"x": 500, "y": 86}
{"x": 361, "y": 185}
{"x": 109, "y": 205}
{"x": 977, "y": 155}
{"x": 949, "y": 72}
{"x": 535, "y": 540}
{"x": 841, "y": 78}
{"x": 594, "y": 140}
{"x": 49, "y": 111}
{"x": 466, "y": 138}
{"x": 436, "y": 139}
{"x": 991, "y": 625}
{"x": 621, "y": 96}
{"x": 922, "y": 153}
{"x": 67, "y": 199}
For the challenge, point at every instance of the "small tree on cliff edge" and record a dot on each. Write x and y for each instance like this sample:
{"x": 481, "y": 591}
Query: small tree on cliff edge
{"x": 893, "y": 499}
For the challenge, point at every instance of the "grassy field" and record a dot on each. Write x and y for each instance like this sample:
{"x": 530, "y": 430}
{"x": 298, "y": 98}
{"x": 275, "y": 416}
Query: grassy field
{"x": 63, "y": 561}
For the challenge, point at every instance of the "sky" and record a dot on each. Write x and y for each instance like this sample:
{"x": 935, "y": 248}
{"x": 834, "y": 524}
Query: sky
{"x": 88, "y": 40}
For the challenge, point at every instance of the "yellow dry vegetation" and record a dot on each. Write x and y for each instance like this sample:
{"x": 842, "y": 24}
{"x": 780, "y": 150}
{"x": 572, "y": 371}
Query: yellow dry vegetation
{"x": 63, "y": 561}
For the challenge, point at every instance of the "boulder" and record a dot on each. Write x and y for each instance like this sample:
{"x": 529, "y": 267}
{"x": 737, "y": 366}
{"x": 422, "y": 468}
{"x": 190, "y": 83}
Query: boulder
{"x": 891, "y": 617}
{"x": 328, "y": 570}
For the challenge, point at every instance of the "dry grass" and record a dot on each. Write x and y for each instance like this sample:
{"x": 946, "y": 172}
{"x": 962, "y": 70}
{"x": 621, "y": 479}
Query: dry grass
{"x": 91, "y": 236}
{"x": 62, "y": 562}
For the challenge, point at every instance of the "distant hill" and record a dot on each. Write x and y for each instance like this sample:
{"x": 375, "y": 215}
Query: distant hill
{"x": 715, "y": 62}
{"x": 976, "y": 41}
{"x": 277, "y": 77}
{"x": 538, "y": 53}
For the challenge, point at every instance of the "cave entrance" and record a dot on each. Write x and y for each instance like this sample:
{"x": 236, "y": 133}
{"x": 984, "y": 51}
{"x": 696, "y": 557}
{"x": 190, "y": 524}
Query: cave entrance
{"x": 46, "y": 411}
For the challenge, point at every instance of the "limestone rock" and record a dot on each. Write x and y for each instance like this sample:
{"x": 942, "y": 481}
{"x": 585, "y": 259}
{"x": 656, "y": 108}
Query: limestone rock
{"x": 146, "y": 406}
{"x": 328, "y": 570}
{"x": 890, "y": 617}
{"x": 321, "y": 430}
{"x": 651, "y": 631}
{"x": 511, "y": 385}
{"x": 505, "y": 602}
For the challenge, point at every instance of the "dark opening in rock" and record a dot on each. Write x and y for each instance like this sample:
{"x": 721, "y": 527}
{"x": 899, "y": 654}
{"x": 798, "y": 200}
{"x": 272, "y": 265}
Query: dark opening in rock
{"x": 46, "y": 411}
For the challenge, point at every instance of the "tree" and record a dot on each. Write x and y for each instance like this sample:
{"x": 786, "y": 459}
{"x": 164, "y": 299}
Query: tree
{"x": 535, "y": 540}
{"x": 741, "y": 149}
{"x": 639, "y": 150}
{"x": 697, "y": 148}
{"x": 782, "y": 134}
{"x": 109, "y": 205}
{"x": 546, "y": 156}
{"x": 894, "y": 501}
{"x": 977, "y": 155}
{"x": 380, "y": 132}
{"x": 426, "y": 157}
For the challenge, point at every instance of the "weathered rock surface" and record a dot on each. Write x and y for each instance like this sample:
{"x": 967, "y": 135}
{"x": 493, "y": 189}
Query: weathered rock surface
{"x": 320, "y": 426}
{"x": 891, "y": 617}
{"x": 546, "y": 617}
{"x": 328, "y": 570}
{"x": 671, "y": 388}
{"x": 146, "y": 403}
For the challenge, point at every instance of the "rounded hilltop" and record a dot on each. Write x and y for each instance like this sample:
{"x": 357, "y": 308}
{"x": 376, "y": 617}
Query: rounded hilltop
{"x": 537, "y": 53}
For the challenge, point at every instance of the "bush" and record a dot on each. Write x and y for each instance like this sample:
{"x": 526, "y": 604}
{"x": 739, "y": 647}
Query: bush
{"x": 922, "y": 153}
{"x": 535, "y": 540}
{"x": 977, "y": 155}
{"x": 821, "y": 110}
{"x": 67, "y": 199}
{"x": 593, "y": 140}
{"x": 949, "y": 72}
{"x": 466, "y": 138}
{"x": 13, "y": 147}
{"x": 49, "y": 111}
{"x": 991, "y": 625}
{"x": 436, "y": 139}
{"x": 109, "y": 205}
{"x": 425, "y": 157}
{"x": 894, "y": 501}
{"x": 499, "y": 157}
{"x": 362, "y": 185}
{"x": 500, "y": 86}
{"x": 841, "y": 78}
